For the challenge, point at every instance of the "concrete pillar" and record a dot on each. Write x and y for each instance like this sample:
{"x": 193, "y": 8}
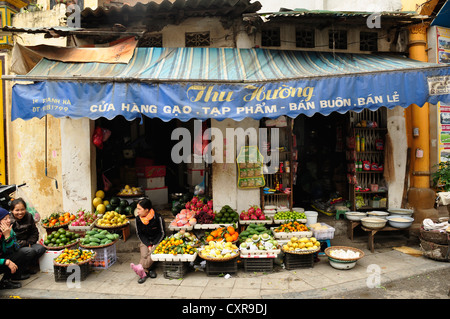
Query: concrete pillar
{"x": 78, "y": 171}
{"x": 420, "y": 196}
{"x": 224, "y": 173}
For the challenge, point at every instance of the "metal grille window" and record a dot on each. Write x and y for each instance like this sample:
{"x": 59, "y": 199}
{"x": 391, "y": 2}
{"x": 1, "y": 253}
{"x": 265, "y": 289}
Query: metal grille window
{"x": 337, "y": 39}
{"x": 304, "y": 38}
{"x": 270, "y": 37}
{"x": 197, "y": 39}
{"x": 368, "y": 41}
{"x": 152, "y": 40}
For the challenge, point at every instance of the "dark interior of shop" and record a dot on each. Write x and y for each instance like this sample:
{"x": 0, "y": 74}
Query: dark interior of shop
{"x": 131, "y": 141}
{"x": 321, "y": 173}
{"x": 320, "y": 139}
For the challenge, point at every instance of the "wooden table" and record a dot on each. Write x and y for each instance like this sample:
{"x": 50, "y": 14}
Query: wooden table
{"x": 372, "y": 233}
{"x": 351, "y": 225}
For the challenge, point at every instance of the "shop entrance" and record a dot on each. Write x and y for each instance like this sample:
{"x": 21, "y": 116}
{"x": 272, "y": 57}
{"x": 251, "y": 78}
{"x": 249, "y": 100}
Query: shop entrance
{"x": 131, "y": 146}
{"x": 322, "y": 168}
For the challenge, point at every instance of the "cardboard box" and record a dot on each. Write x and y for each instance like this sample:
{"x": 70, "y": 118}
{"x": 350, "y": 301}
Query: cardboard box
{"x": 195, "y": 176}
{"x": 150, "y": 171}
{"x": 153, "y": 182}
{"x": 46, "y": 260}
{"x": 158, "y": 196}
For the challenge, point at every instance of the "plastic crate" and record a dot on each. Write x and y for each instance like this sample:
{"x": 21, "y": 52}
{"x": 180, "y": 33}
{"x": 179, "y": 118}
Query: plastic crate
{"x": 62, "y": 273}
{"x": 327, "y": 233}
{"x": 294, "y": 261}
{"x": 104, "y": 258}
{"x": 258, "y": 264}
{"x": 215, "y": 268}
{"x": 174, "y": 269}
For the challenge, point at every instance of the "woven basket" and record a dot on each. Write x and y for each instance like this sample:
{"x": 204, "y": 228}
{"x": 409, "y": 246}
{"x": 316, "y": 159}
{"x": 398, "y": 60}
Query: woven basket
{"x": 434, "y": 236}
{"x": 217, "y": 259}
{"x": 97, "y": 247}
{"x": 302, "y": 252}
{"x": 434, "y": 251}
{"x": 111, "y": 227}
{"x": 328, "y": 253}
{"x": 61, "y": 247}
{"x": 87, "y": 261}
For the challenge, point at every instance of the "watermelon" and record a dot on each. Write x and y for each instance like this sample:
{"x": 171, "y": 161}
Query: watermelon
{"x": 123, "y": 203}
{"x": 115, "y": 201}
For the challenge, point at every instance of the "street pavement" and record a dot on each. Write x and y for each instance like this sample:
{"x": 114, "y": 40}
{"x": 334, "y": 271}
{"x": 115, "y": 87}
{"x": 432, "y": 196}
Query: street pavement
{"x": 322, "y": 281}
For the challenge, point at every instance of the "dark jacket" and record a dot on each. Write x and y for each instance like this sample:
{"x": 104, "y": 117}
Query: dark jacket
{"x": 152, "y": 233}
{"x": 25, "y": 229}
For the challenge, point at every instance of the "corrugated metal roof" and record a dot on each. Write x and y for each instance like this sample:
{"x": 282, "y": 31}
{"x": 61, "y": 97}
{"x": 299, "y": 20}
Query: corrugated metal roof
{"x": 222, "y": 65}
{"x": 297, "y": 13}
{"x": 177, "y": 9}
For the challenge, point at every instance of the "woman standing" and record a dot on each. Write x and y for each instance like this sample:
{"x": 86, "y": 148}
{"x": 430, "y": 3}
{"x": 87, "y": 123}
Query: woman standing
{"x": 150, "y": 230}
{"x": 27, "y": 234}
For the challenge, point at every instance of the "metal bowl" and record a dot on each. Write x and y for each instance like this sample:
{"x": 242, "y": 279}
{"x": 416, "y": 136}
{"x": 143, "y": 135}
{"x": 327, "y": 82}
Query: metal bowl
{"x": 373, "y": 222}
{"x": 379, "y": 214}
{"x": 400, "y": 212}
{"x": 355, "y": 216}
{"x": 400, "y": 224}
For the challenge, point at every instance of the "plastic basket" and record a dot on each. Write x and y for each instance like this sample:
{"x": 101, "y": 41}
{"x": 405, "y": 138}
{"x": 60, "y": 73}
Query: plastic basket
{"x": 258, "y": 264}
{"x": 104, "y": 258}
{"x": 174, "y": 269}
{"x": 320, "y": 234}
{"x": 62, "y": 273}
{"x": 214, "y": 268}
{"x": 294, "y": 261}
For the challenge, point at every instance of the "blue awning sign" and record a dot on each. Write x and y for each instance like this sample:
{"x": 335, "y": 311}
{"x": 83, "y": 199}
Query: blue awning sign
{"x": 236, "y": 96}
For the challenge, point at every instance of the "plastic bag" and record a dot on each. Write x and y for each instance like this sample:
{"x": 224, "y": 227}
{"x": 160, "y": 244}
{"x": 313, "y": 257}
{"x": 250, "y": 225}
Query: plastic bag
{"x": 97, "y": 137}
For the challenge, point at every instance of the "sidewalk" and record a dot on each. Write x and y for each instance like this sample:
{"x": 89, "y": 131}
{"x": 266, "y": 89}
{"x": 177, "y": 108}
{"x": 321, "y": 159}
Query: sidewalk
{"x": 320, "y": 281}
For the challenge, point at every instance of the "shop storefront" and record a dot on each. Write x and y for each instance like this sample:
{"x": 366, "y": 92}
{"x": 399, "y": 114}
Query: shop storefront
{"x": 162, "y": 89}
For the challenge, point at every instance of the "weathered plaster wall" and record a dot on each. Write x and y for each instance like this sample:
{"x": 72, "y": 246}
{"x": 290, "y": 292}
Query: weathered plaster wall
{"x": 26, "y": 143}
{"x": 224, "y": 172}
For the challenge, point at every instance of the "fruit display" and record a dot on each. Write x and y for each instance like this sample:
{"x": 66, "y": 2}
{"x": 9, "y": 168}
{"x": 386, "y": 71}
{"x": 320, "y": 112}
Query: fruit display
{"x": 181, "y": 243}
{"x": 227, "y": 234}
{"x": 83, "y": 219}
{"x": 121, "y": 206}
{"x": 98, "y": 237}
{"x": 292, "y": 226}
{"x": 253, "y": 213}
{"x": 203, "y": 209}
{"x": 130, "y": 191}
{"x": 112, "y": 219}
{"x": 184, "y": 219}
{"x": 74, "y": 256}
{"x": 99, "y": 203}
{"x": 253, "y": 229}
{"x": 259, "y": 244}
{"x": 226, "y": 215}
{"x": 57, "y": 220}
{"x": 291, "y": 229}
{"x": 219, "y": 250}
{"x": 289, "y": 215}
{"x": 303, "y": 244}
{"x": 60, "y": 238}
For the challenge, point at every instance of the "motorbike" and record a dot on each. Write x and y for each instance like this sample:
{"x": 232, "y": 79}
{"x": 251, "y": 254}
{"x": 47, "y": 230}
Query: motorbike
{"x": 5, "y": 194}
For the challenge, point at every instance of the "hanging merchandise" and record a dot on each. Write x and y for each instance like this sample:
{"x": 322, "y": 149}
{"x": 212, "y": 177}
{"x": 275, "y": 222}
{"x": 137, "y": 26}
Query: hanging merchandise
{"x": 358, "y": 143}
{"x": 97, "y": 137}
{"x": 250, "y": 167}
